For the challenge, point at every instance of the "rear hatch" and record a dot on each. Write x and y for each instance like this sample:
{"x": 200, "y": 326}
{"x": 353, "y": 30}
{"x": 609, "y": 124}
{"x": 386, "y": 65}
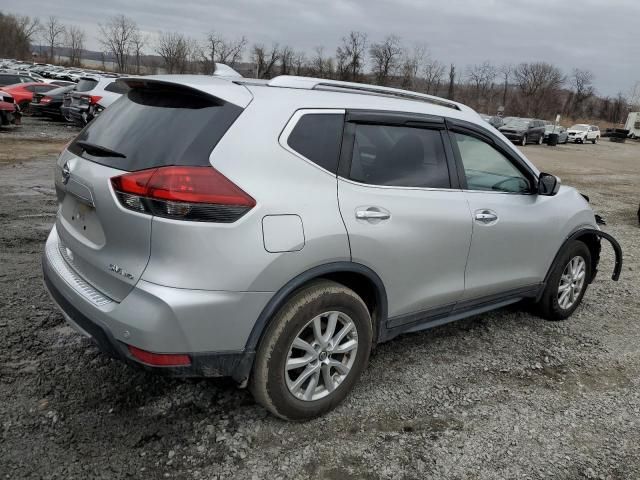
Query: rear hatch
{"x": 79, "y": 95}
{"x": 156, "y": 124}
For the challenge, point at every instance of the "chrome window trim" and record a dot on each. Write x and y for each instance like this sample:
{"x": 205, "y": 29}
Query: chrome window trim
{"x": 398, "y": 187}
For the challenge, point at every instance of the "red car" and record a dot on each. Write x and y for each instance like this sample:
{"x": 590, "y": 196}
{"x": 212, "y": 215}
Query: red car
{"x": 23, "y": 92}
{"x": 8, "y": 110}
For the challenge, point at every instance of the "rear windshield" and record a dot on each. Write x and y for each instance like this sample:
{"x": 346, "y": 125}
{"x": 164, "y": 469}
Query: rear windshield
{"x": 86, "y": 84}
{"x": 155, "y": 126}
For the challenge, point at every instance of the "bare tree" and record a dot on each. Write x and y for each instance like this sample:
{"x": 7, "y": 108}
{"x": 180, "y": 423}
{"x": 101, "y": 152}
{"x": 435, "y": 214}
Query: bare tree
{"x": 74, "y": 41}
{"x": 581, "y": 82}
{"x": 321, "y": 65}
{"x": 538, "y": 83}
{"x": 116, "y": 37}
{"x": 16, "y": 35}
{"x": 220, "y": 50}
{"x": 265, "y": 60}
{"x": 138, "y": 42}
{"x": 386, "y": 57}
{"x": 505, "y": 71}
{"x": 411, "y": 65}
{"x": 351, "y": 55}
{"x": 175, "y": 50}
{"x": 481, "y": 77}
{"x": 286, "y": 60}
{"x": 53, "y": 33}
{"x": 299, "y": 63}
{"x": 452, "y": 82}
{"x": 433, "y": 73}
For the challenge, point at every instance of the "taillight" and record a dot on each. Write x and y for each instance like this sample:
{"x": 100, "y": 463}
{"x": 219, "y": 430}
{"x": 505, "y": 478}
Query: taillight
{"x": 45, "y": 99}
{"x": 200, "y": 194}
{"x": 93, "y": 99}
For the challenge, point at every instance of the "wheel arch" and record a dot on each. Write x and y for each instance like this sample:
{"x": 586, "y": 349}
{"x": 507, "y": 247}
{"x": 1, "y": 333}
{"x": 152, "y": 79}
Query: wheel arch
{"x": 361, "y": 279}
{"x": 591, "y": 237}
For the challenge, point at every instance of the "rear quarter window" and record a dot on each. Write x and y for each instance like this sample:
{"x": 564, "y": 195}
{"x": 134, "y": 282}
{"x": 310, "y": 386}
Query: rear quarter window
{"x": 317, "y": 137}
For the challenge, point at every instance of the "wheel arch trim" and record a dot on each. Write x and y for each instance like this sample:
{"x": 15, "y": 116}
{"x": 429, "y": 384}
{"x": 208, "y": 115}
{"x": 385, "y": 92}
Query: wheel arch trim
{"x": 303, "y": 278}
{"x": 617, "y": 269}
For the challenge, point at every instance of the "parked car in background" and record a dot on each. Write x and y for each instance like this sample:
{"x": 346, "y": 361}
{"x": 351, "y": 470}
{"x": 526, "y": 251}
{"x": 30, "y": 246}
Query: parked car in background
{"x": 347, "y": 220}
{"x": 523, "y": 130}
{"x": 49, "y": 103}
{"x": 8, "y": 109}
{"x": 581, "y": 133}
{"x": 493, "y": 120}
{"x": 71, "y": 101}
{"x": 23, "y": 92}
{"x": 85, "y": 105}
{"x": 563, "y": 136}
{"x": 633, "y": 124}
{"x": 13, "y": 78}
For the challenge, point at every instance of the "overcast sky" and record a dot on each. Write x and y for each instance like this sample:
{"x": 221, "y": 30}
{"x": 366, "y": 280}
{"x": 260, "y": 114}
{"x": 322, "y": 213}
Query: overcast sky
{"x": 599, "y": 35}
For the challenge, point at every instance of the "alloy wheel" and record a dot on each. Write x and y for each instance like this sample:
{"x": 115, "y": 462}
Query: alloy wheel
{"x": 321, "y": 356}
{"x": 571, "y": 282}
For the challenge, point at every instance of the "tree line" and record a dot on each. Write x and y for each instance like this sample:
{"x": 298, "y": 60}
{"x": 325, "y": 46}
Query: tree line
{"x": 535, "y": 89}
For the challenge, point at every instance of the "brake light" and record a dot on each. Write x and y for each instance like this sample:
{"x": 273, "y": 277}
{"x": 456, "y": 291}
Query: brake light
{"x": 160, "y": 359}
{"x": 188, "y": 193}
{"x": 45, "y": 99}
{"x": 93, "y": 99}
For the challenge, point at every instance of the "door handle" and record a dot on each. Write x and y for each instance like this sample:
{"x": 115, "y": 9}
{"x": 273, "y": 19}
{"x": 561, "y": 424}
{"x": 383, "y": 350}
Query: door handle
{"x": 486, "y": 216}
{"x": 372, "y": 213}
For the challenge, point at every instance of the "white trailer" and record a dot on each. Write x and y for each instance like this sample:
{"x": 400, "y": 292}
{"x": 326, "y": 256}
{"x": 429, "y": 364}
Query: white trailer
{"x": 633, "y": 124}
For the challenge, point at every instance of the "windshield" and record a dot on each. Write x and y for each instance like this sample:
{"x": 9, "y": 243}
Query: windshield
{"x": 517, "y": 123}
{"x": 582, "y": 128}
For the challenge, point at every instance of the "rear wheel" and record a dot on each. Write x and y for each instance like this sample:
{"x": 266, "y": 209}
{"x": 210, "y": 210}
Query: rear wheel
{"x": 313, "y": 352}
{"x": 25, "y": 108}
{"x": 567, "y": 283}
{"x": 523, "y": 142}
{"x": 540, "y": 139}
{"x": 595, "y": 140}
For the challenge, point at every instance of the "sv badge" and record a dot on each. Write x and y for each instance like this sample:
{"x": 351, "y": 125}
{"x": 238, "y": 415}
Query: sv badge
{"x": 117, "y": 269}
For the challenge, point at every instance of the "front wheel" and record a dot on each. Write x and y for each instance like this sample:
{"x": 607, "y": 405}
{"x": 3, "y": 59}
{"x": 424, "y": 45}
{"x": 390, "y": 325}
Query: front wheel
{"x": 523, "y": 142}
{"x": 567, "y": 283}
{"x": 313, "y": 352}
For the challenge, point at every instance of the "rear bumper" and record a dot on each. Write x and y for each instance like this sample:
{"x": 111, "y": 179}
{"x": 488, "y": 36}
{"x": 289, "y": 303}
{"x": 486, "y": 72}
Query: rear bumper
{"x": 205, "y": 325}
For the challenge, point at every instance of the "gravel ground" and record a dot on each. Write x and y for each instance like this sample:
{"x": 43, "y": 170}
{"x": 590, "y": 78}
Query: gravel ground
{"x": 501, "y": 395}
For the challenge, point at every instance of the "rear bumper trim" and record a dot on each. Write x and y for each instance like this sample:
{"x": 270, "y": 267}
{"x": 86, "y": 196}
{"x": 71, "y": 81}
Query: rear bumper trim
{"x": 228, "y": 364}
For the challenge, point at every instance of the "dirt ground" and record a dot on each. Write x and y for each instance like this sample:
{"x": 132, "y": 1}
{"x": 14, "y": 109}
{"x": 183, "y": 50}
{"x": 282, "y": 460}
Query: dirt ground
{"x": 501, "y": 395}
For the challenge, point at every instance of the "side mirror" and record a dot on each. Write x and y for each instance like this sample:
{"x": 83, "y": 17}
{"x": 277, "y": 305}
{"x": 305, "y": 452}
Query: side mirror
{"x": 548, "y": 184}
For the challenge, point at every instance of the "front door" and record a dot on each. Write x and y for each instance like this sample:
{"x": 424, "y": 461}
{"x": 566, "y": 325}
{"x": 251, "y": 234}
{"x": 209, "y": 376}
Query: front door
{"x": 511, "y": 225}
{"x": 405, "y": 215}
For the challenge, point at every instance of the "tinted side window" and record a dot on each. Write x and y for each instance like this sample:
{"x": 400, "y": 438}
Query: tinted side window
{"x": 487, "y": 169}
{"x": 117, "y": 87}
{"x": 399, "y": 156}
{"x": 318, "y": 136}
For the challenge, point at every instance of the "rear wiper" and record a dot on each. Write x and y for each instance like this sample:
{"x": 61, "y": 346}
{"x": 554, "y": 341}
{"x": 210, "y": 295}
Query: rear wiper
{"x": 98, "y": 150}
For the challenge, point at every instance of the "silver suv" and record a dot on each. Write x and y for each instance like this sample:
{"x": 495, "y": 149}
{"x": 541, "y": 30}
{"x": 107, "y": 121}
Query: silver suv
{"x": 276, "y": 231}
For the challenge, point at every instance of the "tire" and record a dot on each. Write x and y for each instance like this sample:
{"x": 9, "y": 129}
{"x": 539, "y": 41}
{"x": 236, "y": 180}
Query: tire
{"x": 595, "y": 140}
{"x": 550, "y": 305}
{"x": 540, "y": 139}
{"x": 274, "y": 386}
{"x": 25, "y": 109}
{"x": 523, "y": 142}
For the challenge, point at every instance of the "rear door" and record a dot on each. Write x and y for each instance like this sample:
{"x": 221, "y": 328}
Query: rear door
{"x": 154, "y": 125}
{"x": 405, "y": 215}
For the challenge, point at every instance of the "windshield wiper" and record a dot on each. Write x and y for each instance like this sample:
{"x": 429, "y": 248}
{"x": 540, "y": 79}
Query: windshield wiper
{"x": 98, "y": 150}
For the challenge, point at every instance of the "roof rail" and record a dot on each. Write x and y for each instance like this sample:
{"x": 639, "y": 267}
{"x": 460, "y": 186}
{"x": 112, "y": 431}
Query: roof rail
{"x": 310, "y": 83}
